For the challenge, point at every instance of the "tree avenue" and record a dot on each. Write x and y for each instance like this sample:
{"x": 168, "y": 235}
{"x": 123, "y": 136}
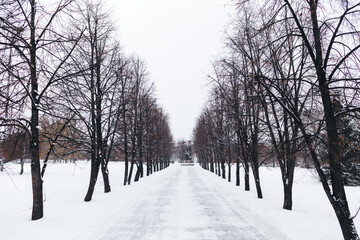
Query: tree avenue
{"x": 290, "y": 78}
{"x": 68, "y": 92}
{"x": 284, "y": 93}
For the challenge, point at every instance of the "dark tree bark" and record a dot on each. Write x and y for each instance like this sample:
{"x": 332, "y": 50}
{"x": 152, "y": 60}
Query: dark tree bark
{"x": 125, "y": 134}
{"x": 337, "y": 197}
{"x": 94, "y": 172}
{"x": 22, "y": 166}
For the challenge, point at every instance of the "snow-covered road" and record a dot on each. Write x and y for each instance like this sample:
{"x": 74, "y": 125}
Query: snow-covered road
{"x": 185, "y": 203}
{"x": 176, "y": 203}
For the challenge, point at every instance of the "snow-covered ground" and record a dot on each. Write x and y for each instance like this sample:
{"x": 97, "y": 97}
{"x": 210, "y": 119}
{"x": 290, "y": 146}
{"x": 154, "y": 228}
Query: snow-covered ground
{"x": 180, "y": 202}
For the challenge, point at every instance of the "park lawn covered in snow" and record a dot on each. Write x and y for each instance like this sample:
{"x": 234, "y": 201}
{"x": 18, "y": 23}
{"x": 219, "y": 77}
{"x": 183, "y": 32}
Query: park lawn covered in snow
{"x": 163, "y": 205}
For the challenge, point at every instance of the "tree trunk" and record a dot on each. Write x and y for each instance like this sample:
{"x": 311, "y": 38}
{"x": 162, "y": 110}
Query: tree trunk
{"x": 229, "y": 172}
{"x": 238, "y": 157}
{"x": 151, "y": 169}
{"x": 105, "y": 175}
{"x": 237, "y": 173}
{"x": 154, "y": 166}
{"x": 222, "y": 159}
{"x": 246, "y": 176}
{"x": 126, "y": 170}
{"x": 138, "y": 171}
{"x": 22, "y": 166}
{"x": 229, "y": 164}
{"x": 346, "y": 222}
{"x": 131, "y": 171}
{"x": 223, "y": 172}
{"x": 101, "y": 153}
{"x": 37, "y": 183}
{"x": 256, "y": 174}
{"x": 148, "y": 168}
{"x": 338, "y": 199}
{"x": 218, "y": 168}
{"x": 137, "y": 175}
{"x": 287, "y": 184}
{"x": 95, "y": 166}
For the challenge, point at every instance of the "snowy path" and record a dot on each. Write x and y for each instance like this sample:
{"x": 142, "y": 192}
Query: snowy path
{"x": 181, "y": 203}
{"x": 185, "y": 203}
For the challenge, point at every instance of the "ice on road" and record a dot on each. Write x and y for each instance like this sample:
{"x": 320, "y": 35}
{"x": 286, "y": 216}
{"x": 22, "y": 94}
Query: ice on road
{"x": 185, "y": 202}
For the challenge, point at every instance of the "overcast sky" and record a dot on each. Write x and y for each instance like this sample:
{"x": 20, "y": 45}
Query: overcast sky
{"x": 177, "y": 39}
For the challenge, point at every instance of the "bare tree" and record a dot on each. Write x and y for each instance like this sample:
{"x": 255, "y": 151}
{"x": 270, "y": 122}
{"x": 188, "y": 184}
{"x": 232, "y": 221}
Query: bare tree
{"x": 95, "y": 96}
{"x": 136, "y": 95}
{"x": 286, "y": 62}
{"x": 36, "y": 61}
{"x": 327, "y": 34}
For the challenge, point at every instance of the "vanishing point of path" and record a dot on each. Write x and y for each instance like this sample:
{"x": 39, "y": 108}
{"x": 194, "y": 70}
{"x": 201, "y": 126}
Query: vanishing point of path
{"x": 185, "y": 202}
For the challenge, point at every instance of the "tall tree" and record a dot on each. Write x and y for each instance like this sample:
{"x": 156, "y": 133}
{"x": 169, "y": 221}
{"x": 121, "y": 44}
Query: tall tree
{"x": 329, "y": 38}
{"x": 30, "y": 34}
{"x": 95, "y": 95}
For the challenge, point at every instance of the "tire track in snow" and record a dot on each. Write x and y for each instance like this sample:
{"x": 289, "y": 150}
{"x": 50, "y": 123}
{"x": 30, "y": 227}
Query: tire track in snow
{"x": 227, "y": 223}
{"x": 183, "y": 204}
{"x": 145, "y": 219}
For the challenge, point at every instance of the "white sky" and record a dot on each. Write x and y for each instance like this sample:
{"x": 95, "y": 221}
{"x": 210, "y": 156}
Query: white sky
{"x": 177, "y": 39}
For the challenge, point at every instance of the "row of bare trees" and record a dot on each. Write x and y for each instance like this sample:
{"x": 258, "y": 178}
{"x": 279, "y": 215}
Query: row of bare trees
{"x": 289, "y": 78}
{"x": 68, "y": 91}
